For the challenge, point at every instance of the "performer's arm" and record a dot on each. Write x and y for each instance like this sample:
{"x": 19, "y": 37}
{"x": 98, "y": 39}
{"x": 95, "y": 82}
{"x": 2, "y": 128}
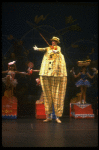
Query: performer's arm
{"x": 90, "y": 75}
{"x": 24, "y": 73}
{"x": 35, "y": 70}
{"x": 5, "y": 71}
{"x": 76, "y": 76}
{"x": 28, "y": 73}
{"x": 39, "y": 49}
{"x": 72, "y": 71}
{"x": 42, "y": 49}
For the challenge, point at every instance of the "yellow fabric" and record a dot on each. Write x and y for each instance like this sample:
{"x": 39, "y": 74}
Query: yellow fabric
{"x": 53, "y": 78}
{"x": 54, "y": 89}
{"x": 53, "y": 64}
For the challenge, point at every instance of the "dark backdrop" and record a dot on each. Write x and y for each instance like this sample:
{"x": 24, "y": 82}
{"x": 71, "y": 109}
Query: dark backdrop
{"x": 75, "y": 23}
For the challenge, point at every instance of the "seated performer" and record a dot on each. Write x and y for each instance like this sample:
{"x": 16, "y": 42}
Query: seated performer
{"x": 53, "y": 79}
{"x": 83, "y": 83}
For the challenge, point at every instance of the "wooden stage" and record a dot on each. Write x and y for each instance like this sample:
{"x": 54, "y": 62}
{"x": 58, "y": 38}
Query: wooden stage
{"x": 31, "y": 132}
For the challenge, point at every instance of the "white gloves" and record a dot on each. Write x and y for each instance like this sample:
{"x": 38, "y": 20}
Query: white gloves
{"x": 54, "y": 51}
{"x": 72, "y": 71}
{"x": 36, "y": 48}
{"x": 94, "y": 69}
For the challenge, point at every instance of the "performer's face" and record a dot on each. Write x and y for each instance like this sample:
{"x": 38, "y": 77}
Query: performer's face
{"x": 54, "y": 43}
{"x": 83, "y": 68}
{"x": 12, "y": 67}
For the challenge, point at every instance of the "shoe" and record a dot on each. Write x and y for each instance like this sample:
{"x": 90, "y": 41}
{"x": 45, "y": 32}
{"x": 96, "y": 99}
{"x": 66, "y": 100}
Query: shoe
{"x": 58, "y": 120}
{"x": 47, "y": 120}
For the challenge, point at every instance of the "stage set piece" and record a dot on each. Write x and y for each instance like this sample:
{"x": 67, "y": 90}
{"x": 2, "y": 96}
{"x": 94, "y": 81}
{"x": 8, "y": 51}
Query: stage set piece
{"x": 9, "y": 101}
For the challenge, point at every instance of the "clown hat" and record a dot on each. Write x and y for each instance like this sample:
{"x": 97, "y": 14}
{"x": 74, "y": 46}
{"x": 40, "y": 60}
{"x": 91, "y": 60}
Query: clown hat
{"x": 54, "y": 38}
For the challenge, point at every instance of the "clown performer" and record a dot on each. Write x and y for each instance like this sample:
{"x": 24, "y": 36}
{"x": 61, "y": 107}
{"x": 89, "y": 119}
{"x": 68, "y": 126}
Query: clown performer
{"x": 83, "y": 83}
{"x": 53, "y": 79}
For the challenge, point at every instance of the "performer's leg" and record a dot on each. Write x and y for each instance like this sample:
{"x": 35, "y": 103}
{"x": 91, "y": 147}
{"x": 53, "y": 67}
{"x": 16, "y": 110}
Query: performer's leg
{"x": 46, "y": 85}
{"x": 59, "y": 95}
{"x": 84, "y": 94}
{"x": 81, "y": 94}
{"x": 62, "y": 92}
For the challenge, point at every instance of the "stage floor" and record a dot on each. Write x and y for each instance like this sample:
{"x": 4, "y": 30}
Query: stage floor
{"x": 29, "y": 132}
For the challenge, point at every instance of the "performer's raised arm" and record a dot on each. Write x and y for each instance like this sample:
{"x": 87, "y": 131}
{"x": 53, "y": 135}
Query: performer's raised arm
{"x": 95, "y": 72}
{"x": 24, "y": 73}
{"x": 76, "y": 76}
{"x": 52, "y": 48}
{"x": 72, "y": 71}
{"x": 39, "y": 49}
{"x": 90, "y": 75}
{"x": 5, "y": 71}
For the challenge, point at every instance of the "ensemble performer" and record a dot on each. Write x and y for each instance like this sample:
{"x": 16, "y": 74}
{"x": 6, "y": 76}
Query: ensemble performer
{"x": 53, "y": 79}
{"x": 10, "y": 80}
{"x": 83, "y": 83}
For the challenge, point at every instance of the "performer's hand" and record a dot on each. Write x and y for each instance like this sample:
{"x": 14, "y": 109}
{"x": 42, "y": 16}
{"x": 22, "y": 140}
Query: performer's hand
{"x": 95, "y": 73}
{"x": 36, "y": 48}
{"x": 72, "y": 70}
{"x": 94, "y": 69}
{"x": 55, "y": 51}
{"x": 30, "y": 71}
{"x": 38, "y": 81}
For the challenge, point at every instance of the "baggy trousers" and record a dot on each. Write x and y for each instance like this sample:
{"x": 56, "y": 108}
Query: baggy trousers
{"x": 54, "y": 89}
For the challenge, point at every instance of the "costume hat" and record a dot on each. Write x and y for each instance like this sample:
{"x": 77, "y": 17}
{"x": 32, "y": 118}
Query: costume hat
{"x": 55, "y": 39}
